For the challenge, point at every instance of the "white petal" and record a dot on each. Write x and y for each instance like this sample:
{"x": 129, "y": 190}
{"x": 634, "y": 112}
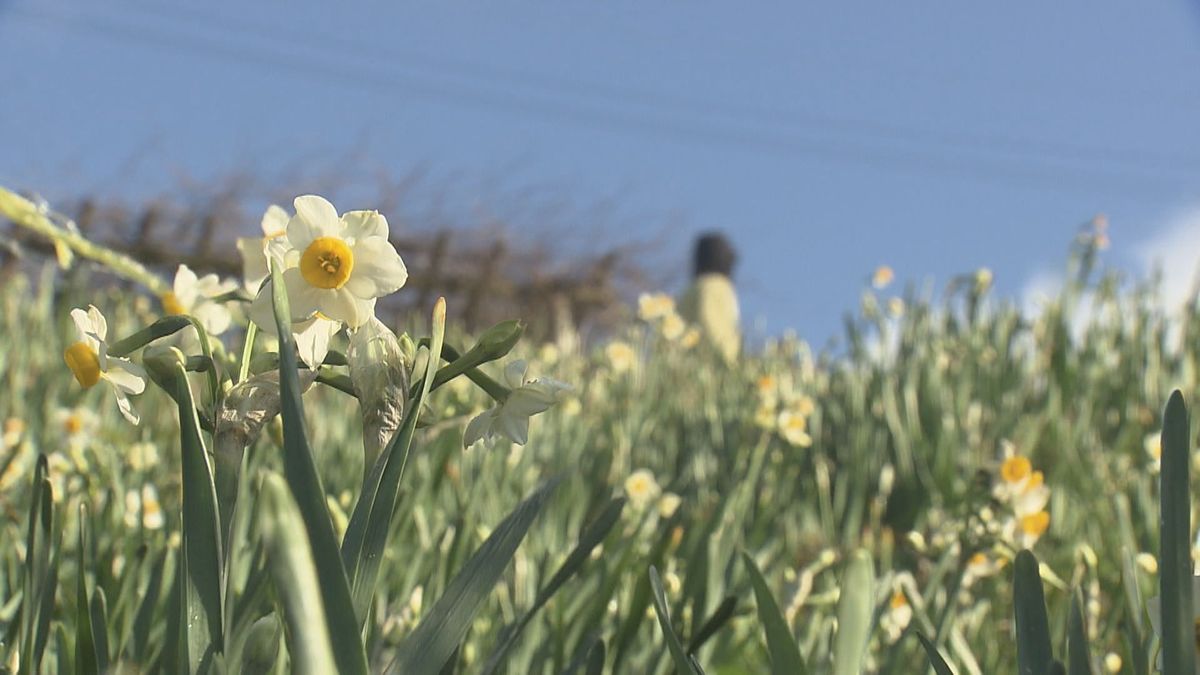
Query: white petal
{"x": 312, "y": 340}
{"x": 524, "y": 402}
{"x": 262, "y": 309}
{"x": 360, "y": 224}
{"x": 378, "y": 269}
{"x": 83, "y": 324}
{"x": 214, "y": 317}
{"x": 515, "y": 427}
{"x": 303, "y": 298}
{"x": 185, "y": 287}
{"x": 514, "y": 374}
{"x": 254, "y": 262}
{"x": 274, "y": 221}
{"x": 315, "y": 217}
{"x": 478, "y": 427}
{"x": 126, "y": 408}
{"x": 125, "y": 376}
{"x": 342, "y": 305}
{"x": 99, "y": 324}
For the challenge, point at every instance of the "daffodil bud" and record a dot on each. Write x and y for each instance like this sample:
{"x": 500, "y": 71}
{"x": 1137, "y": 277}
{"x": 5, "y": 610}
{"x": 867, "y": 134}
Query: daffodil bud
{"x": 379, "y": 373}
{"x": 245, "y": 410}
{"x": 498, "y": 340}
{"x": 161, "y": 363}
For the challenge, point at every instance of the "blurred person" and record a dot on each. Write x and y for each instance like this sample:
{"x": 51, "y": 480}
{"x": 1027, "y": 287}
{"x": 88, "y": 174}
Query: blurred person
{"x": 711, "y": 301}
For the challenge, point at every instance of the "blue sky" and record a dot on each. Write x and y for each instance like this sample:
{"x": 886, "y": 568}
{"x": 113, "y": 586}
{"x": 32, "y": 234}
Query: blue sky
{"x": 825, "y": 138}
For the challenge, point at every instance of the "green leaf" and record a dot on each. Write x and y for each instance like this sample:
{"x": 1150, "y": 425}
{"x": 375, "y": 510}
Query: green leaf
{"x": 592, "y": 536}
{"x": 371, "y": 522}
{"x": 427, "y": 648}
{"x": 785, "y": 653}
{"x": 41, "y": 569}
{"x": 300, "y": 470}
{"x": 1175, "y": 561}
{"x": 201, "y": 544}
{"x": 940, "y": 667}
{"x": 290, "y": 559}
{"x": 855, "y": 609}
{"x": 1078, "y": 658}
{"x": 595, "y": 662}
{"x": 720, "y": 616}
{"x": 1034, "y": 654}
{"x": 682, "y": 665}
{"x": 86, "y": 658}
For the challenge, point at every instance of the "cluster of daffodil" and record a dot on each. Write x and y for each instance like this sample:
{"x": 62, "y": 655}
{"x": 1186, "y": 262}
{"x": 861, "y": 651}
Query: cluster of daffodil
{"x": 783, "y": 409}
{"x": 335, "y": 268}
{"x": 1023, "y": 491}
{"x": 658, "y": 310}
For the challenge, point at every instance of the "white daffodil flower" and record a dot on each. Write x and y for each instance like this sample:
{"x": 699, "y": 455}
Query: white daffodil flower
{"x": 337, "y": 266}
{"x": 88, "y": 359}
{"x": 256, "y": 251}
{"x": 196, "y": 296}
{"x": 511, "y": 418}
{"x": 1154, "y": 605}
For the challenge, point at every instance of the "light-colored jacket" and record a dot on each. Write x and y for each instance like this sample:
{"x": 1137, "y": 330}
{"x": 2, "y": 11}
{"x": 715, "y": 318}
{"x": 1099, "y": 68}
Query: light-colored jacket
{"x": 711, "y": 303}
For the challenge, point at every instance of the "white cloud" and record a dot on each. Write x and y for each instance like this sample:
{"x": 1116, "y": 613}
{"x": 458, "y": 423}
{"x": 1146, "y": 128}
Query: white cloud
{"x": 1175, "y": 250}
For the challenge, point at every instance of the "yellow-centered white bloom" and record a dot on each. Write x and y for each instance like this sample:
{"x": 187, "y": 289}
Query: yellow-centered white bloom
{"x": 196, "y": 297}
{"x": 897, "y": 616}
{"x": 1154, "y": 606}
{"x": 510, "y": 418}
{"x": 256, "y": 256}
{"x": 76, "y": 424}
{"x": 89, "y": 361}
{"x": 794, "y": 428}
{"x": 672, "y": 326}
{"x": 882, "y": 277}
{"x": 641, "y": 488}
{"x": 144, "y": 507}
{"x": 336, "y": 266}
{"x": 620, "y": 355}
{"x": 654, "y": 306}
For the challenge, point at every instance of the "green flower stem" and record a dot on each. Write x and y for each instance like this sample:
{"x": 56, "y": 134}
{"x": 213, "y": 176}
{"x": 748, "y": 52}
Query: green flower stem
{"x": 458, "y": 366}
{"x": 247, "y": 352}
{"x": 27, "y": 214}
{"x": 168, "y": 325}
{"x": 338, "y": 381}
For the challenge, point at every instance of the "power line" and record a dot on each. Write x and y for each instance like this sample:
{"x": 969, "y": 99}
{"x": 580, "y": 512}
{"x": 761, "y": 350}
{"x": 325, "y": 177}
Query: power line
{"x": 1040, "y": 176}
{"x": 1050, "y": 149}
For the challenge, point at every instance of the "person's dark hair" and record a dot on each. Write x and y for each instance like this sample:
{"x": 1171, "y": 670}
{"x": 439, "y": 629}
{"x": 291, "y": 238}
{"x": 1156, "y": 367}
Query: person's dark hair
{"x": 714, "y": 255}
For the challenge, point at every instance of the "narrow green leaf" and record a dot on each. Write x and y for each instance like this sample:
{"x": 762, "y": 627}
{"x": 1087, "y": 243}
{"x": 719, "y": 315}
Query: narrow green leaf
{"x": 300, "y": 470}
{"x": 427, "y": 648}
{"x": 720, "y": 616}
{"x": 785, "y": 653}
{"x": 41, "y": 569}
{"x": 201, "y": 544}
{"x": 1078, "y": 653}
{"x": 371, "y": 522}
{"x": 592, "y": 536}
{"x": 99, "y": 621}
{"x": 1175, "y": 560}
{"x": 940, "y": 667}
{"x": 290, "y": 558}
{"x": 595, "y": 662}
{"x": 1034, "y": 653}
{"x": 856, "y": 606}
{"x": 682, "y": 665}
{"x": 86, "y": 660}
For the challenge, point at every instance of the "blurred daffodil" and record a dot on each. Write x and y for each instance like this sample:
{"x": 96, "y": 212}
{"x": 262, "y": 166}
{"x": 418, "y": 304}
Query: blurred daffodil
{"x": 197, "y": 297}
{"x": 510, "y": 418}
{"x": 641, "y": 488}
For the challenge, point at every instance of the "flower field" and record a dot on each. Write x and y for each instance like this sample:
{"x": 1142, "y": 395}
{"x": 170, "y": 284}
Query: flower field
{"x": 333, "y": 498}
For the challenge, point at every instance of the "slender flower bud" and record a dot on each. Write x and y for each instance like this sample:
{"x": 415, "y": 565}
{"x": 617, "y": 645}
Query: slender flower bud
{"x": 379, "y": 373}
